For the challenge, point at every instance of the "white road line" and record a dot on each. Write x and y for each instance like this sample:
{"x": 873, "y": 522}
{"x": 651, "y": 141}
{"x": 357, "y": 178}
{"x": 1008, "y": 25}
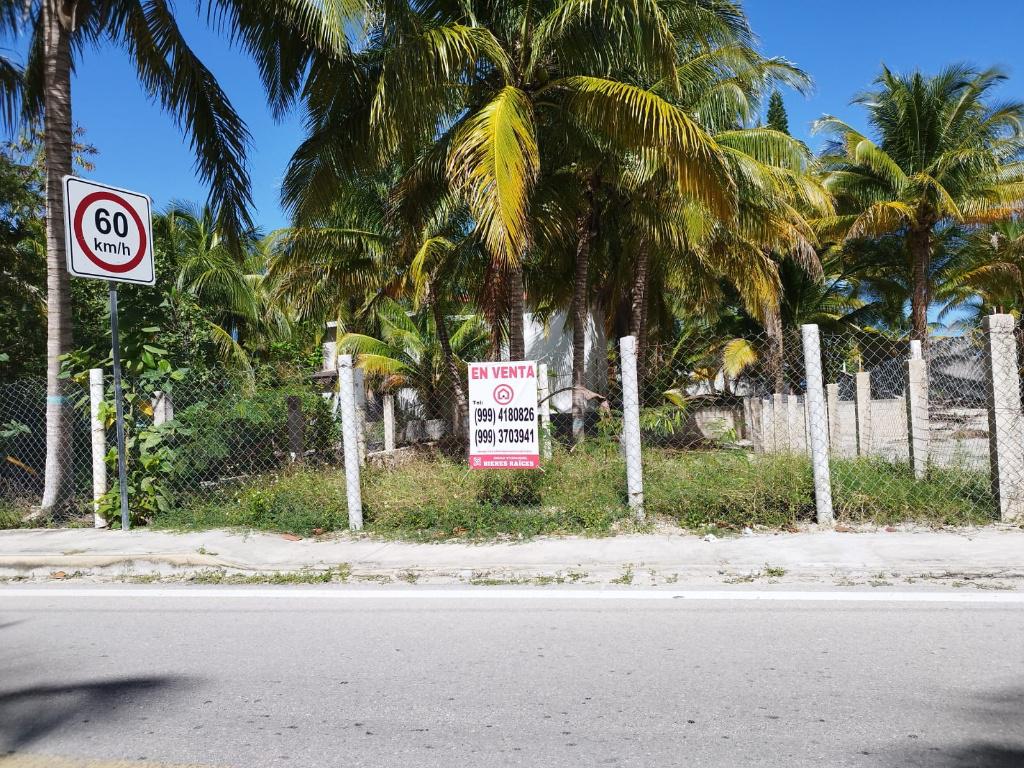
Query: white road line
{"x": 492, "y": 593}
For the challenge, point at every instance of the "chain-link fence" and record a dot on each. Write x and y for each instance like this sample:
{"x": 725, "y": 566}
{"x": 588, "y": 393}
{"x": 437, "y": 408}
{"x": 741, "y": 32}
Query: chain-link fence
{"x": 727, "y": 429}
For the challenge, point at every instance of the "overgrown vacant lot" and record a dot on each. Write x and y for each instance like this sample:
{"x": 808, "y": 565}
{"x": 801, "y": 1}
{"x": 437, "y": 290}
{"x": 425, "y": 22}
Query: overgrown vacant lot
{"x": 582, "y": 492}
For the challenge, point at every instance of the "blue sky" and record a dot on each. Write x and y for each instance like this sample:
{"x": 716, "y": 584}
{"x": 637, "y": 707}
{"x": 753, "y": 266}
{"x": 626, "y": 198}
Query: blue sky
{"x": 840, "y": 47}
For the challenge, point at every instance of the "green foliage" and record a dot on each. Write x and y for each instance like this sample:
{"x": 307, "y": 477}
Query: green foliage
{"x": 301, "y": 500}
{"x": 435, "y": 498}
{"x": 12, "y": 429}
{"x": 409, "y": 353}
{"x": 873, "y": 490}
{"x": 733, "y": 489}
{"x": 728, "y": 489}
{"x": 663, "y": 421}
{"x": 151, "y": 451}
{"x": 238, "y": 432}
{"x": 22, "y": 265}
{"x": 10, "y": 515}
{"x": 514, "y": 487}
{"x": 581, "y": 492}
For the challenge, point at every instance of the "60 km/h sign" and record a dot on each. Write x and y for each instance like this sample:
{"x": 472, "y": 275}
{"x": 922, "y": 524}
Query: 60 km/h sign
{"x": 503, "y": 416}
{"x": 109, "y": 232}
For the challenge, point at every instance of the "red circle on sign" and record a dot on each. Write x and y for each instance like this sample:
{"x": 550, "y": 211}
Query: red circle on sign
{"x": 503, "y": 394}
{"x": 94, "y": 197}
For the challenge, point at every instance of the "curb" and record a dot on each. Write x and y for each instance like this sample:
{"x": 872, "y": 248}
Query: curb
{"x": 190, "y": 566}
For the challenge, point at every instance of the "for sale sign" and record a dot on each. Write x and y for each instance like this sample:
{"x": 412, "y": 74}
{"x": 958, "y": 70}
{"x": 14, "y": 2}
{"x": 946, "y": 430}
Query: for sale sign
{"x": 109, "y": 232}
{"x": 503, "y": 416}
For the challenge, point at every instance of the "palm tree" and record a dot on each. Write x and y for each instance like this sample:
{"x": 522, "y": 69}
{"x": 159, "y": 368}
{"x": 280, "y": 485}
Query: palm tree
{"x": 229, "y": 291}
{"x": 946, "y": 153}
{"x": 375, "y": 245}
{"x": 479, "y": 94}
{"x": 985, "y": 275}
{"x": 416, "y": 350}
{"x": 281, "y": 36}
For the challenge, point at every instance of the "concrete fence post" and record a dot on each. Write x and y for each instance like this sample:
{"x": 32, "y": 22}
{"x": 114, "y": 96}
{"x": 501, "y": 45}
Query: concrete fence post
{"x": 818, "y": 425}
{"x": 918, "y": 427}
{"x": 544, "y": 393}
{"x": 834, "y": 419}
{"x": 780, "y": 425}
{"x": 98, "y": 431}
{"x": 756, "y": 424}
{"x": 1005, "y": 425}
{"x": 863, "y": 413}
{"x": 768, "y": 424}
{"x": 389, "y": 423}
{"x": 807, "y": 425}
{"x": 359, "y": 379}
{"x": 163, "y": 408}
{"x": 350, "y": 440}
{"x": 797, "y": 431}
{"x": 631, "y": 426}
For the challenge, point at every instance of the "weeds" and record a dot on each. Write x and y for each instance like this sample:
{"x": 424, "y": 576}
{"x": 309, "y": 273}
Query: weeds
{"x": 582, "y": 492}
{"x": 341, "y": 574}
{"x": 626, "y": 577}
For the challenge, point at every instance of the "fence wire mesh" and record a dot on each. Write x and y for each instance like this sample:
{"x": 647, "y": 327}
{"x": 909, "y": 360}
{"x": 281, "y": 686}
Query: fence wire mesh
{"x": 724, "y": 425}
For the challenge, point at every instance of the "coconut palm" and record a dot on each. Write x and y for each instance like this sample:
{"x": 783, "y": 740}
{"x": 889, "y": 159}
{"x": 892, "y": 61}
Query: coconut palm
{"x": 480, "y": 94}
{"x": 281, "y": 36}
{"x": 946, "y": 152}
{"x": 683, "y": 259}
{"x": 985, "y": 274}
{"x": 231, "y": 291}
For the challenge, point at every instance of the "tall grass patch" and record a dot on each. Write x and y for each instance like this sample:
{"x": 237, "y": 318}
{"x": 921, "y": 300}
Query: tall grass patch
{"x": 728, "y": 488}
{"x": 873, "y": 490}
{"x": 299, "y": 500}
{"x": 437, "y": 498}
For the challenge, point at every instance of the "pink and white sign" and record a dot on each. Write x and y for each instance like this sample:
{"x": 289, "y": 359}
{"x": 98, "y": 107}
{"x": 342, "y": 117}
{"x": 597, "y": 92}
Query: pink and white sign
{"x": 503, "y": 413}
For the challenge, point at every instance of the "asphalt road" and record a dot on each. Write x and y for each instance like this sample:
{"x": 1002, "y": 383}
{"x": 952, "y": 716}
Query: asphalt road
{"x": 302, "y": 680}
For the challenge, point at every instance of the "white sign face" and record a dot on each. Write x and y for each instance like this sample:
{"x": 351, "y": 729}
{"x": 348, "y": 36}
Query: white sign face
{"x": 503, "y": 413}
{"x": 109, "y": 232}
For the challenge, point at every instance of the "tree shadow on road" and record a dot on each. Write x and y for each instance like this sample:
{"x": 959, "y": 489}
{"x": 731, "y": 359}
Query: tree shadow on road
{"x": 1001, "y": 710}
{"x": 30, "y": 713}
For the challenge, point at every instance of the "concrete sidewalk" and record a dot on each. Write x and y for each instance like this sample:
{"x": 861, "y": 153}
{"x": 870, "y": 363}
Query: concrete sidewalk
{"x": 991, "y": 556}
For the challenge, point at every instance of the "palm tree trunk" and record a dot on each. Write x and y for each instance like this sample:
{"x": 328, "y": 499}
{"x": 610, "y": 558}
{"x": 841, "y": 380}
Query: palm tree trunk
{"x": 585, "y": 229}
{"x": 516, "y": 307}
{"x": 776, "y": 349}
{"x": 57, "y": 20}
{"x": 455, "y": 380}
{"x": 919, "y": 242}
{"x": 638, "y": 309}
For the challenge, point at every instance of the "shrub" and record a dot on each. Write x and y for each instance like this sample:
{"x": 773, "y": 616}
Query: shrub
{"x": 239, "y": 433}
{"x": 300, "y": 501}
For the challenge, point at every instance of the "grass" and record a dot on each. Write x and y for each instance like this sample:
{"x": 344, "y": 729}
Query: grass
{"x": 728, "y": 489}
{"x": 582, "y": 492}
{"x": 10, "y": 515}
{"x": 873, "y": 490}
{"x": 302, "y": 501}
{"x": 733, "y": 489}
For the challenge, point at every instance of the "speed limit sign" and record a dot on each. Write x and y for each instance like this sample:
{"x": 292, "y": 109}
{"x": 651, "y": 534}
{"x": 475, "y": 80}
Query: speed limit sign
{"x": 109, "y": 232}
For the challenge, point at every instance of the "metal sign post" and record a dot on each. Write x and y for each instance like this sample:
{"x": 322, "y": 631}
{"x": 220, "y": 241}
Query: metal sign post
{"x": 109, "y": 235}
{"x": 122, "y": 471}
